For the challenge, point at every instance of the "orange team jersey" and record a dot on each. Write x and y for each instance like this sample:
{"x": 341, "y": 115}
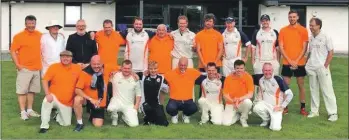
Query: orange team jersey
{"x": 84, "y": 83}
{"x": 63, "y": 80}
{"x": 181, "y": 85}
{"x": 160, "y": 52}
{"x": 209, "y": 40}
{"x": 27, "y": 46}
{"x": 237, "y": 87}
{"x": 292, "y": 39}
{"x": 108, "y": 46}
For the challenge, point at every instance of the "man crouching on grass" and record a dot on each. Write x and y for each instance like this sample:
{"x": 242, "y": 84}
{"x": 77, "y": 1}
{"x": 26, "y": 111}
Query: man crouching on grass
{"x": 60, "y": 94}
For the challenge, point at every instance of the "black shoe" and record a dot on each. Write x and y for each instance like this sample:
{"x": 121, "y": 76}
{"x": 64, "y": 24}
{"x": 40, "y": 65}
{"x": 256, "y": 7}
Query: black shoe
{"x": 79, "y": 127}
{"x": 43, "y": 130}
{"x": 146, "y": 123}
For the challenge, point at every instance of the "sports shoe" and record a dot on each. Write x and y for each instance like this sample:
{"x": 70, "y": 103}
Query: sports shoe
{"x": 24, "y": 116}
{"x": 243, "y": 123}
{"x": 33, "y": 114}
{"x": 174, "y": 119}
{"x": 333, "y": 117}
{"x": 186, "y": 119}
{"x": 43, "y": 130}
{"x": 285, "y": 111}
{"x": 264, "y": 123}
{"x": 114, "y": 122}
{"x": 303, "y": 112}
{"x": 79, "y": 127}
{"x": 313, "y": 114}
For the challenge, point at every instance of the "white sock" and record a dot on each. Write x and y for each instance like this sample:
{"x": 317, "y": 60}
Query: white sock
{"x": 23, "y": 111}
{"x": 29, "y": 110}
{"x": 80, "y": 121}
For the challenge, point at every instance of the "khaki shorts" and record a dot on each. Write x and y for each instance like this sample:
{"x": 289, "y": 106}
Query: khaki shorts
{"x": 28, "y": 81}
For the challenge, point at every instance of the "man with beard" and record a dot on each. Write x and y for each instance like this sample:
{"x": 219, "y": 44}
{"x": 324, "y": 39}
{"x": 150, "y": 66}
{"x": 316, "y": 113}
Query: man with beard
{"x": 81, "y": 45}
{"x": 293, "y": 42}
{"x": 26, "y": 55}
{"x": 60, "y": 94}
{"x": 137, "y": 47}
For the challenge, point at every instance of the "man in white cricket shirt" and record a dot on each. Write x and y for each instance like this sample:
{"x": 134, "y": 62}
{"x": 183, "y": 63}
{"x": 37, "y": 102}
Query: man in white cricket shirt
{"x": 318, "y": 70}
{"x": 233, "y": 39}
{"x": 183, "y": 43}
{"x": 126, "y": 96}
{"x": 273, "y": 96}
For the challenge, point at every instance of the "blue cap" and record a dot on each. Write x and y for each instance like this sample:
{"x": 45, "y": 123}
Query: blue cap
{"x": 265, "y": 16}
{"x": 229, "y": 19}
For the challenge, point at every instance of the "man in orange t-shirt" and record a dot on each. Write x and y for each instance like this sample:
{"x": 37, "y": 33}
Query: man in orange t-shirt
{"x": 109, "y": 42}
{"x": 60, "y": 94}
{"x": 181, "y": 82}
{"x": 209, "y": 44}
{"x": 92, "y": 86}
{"x": 160, "y": 47}
{"x": 26, "y": 54}
{"x": 237, "y": 92}
{"x": 293, "y": 42}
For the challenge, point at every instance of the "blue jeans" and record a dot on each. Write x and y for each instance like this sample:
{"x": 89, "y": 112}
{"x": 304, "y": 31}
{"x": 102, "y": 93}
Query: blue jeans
{"x": 187, "y": 106}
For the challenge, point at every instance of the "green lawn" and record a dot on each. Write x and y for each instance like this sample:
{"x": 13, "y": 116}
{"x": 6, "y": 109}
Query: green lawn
{"x": 294, "y": 125}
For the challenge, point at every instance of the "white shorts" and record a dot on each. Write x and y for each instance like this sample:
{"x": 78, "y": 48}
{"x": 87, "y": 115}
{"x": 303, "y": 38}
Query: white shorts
{"x": 129, "y": 116}
{"x": 214, "y": 107}
{"x": 228, "y": 65}
{"x": 64, "y": 113}
{"x": 176, "y": 60}
{"x": 267, "y": 113}
{"x": 258, "y": 66}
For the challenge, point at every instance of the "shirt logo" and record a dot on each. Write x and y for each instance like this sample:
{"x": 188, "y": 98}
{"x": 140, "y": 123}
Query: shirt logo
{"x": 158, "y": 80}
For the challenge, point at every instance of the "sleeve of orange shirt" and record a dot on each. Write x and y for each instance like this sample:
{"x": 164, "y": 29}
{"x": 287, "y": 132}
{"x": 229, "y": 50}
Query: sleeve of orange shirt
{"x": 15, "y": 44}
{"x": 305, "y": 35}
{"x": 220, "y": 39}
{"x": 81, "y": 81}
{"x": 49, "y": 73}
{"x": 196, "y": 74}
{"x": 281, "y": 37}
{"x": 168, "y": 77}
{"x": 121, "y": 39}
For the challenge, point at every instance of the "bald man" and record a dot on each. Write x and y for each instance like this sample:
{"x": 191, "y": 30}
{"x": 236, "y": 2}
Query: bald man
{"x": 274, "y": 95}
{"x": 91, "y": 86}
{"x": 181, "y": 82}
{"x": 81, "y": 45}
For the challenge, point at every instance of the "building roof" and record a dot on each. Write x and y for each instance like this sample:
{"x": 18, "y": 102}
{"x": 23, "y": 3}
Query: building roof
{"x": 306, "y": 2}
{"x": 56, "y": 1}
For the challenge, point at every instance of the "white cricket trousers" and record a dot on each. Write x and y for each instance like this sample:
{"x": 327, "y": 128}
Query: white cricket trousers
{"x": 214, "y": 107}
{"x": 322, "y": 78}
{"x": 258, "y": 66}
{"x": 64, "y": 113}
{"x": 267, "y": 113}
{"x": 230, "y": 115}
{"x": 129, "y": 116}
{"x": 228, "y": 65}
{"x": 176, "y": 60}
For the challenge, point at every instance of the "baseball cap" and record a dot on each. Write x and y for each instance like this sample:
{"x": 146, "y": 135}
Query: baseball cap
{"x": 265, "y": 16}
{"x": 66, "y": 53}
{"x": 229, "y": 19}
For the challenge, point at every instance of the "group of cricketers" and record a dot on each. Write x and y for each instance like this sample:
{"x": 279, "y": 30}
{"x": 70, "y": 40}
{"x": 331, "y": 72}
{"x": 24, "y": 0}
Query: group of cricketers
{"x": 84, "y": 72}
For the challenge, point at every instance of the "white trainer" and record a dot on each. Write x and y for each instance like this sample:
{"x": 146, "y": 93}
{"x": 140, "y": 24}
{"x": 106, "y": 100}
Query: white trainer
{"x": 264, "y": 123}
{"x": 313, "y": 114}
{"x": 243, "y": 123}
{"x": 24, "y": 116}
{"x": 186, "y": 119}
{"x": 114, "y": 122}
{"x": 174, "y": 119}
{"x": 333, "y": 117}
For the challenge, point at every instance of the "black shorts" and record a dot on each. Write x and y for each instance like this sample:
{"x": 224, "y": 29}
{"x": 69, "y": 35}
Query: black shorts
{"x": 95, "y": 112}
{"x": 299, "y": 72}
{"x": 154, "y": 114}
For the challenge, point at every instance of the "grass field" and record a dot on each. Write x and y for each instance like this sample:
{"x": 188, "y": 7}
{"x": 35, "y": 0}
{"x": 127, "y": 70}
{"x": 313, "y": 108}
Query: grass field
{"x": 294, "y": 125}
